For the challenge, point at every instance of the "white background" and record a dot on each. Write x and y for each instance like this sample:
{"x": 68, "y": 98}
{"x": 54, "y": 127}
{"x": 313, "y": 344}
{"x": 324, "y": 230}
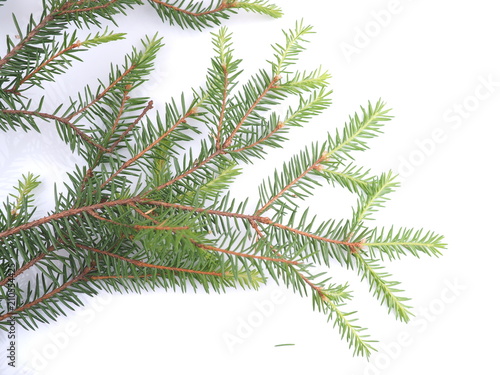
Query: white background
{"x": 428, "y": 60}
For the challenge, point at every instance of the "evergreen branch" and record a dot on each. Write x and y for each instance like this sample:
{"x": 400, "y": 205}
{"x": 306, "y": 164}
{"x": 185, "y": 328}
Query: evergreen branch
{"x": 19, "y": 47}
{"x": 351, "y": 332}
{"x": 24, "y": 197}
{"x": 25, "y": 267}
{"x": 66, "y": 9}
{"x": 195, "y": 15}
{"x": 102, "y": 94}
{"x": 149, "y": 212}
{"x": 223, "y": 108}
{"x": 135, "y": 200}
{"x": 65, "y": 214}
{"x": 258, "y": 6}
{"x": 375, "y": 197}
{"x": 328, "y": 298}
{"x": 357, "y": 130}
{"x": 353, "y": 245}
{"x": 305, "y": 81}
{"x": 383, "y": 289}
{"x": 190, "y": 171}
{"x": 286, "y": 55}
{"x": 51, "y": 294}
{"x": 223, "y": 5}
{"x": 44, "y": 64}
{"x": 139, "y": 263}
{"x": 353, "y": 178}
{"x": 132, "y": 124}
{"x": 312, "y": 106}
{"x": 262, "y": 140}
{"x": 53, "y": 63}
{"x": 270, "y": 86}
{"x": 136, "y": 227}
{"x": 66, "y": 121}
{"x": 245, "y": 255}
{"x": 403, "y": 242}
{"x": 292, "y": 183}
{"x": 119, "y": 115}
{"x": 136, "y": 157}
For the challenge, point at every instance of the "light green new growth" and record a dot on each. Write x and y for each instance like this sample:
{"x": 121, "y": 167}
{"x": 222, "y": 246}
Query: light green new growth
{"x": 148, "y": 211}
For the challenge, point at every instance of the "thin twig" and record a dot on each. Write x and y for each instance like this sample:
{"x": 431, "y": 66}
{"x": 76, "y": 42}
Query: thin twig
{"x": 102, "y": 94}
{"x": 133, "y": 159}
{"x": 70, "y": 282}
{"x": 65, "y": 121}
{"x": 139, "y": 263}
{"x": 311, "y": 168}
{"x": 213, "y": 248}
{"x": 271, "y": 85}
{"x": 136, "y": 227}
{"x": 221, "y": 7}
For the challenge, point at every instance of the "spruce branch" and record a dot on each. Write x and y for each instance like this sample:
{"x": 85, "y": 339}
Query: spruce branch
{"x": 148, "y": 212}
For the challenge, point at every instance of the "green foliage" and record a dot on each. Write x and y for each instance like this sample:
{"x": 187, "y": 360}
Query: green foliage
{"x": 149, "y": 211}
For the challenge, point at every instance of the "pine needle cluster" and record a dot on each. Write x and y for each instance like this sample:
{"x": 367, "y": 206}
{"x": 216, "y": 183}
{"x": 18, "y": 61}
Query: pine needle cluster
{"x": 148, "y": 211}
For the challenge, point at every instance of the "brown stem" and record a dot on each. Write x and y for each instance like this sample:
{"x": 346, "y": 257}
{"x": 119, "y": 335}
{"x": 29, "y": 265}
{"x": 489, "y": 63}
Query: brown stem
{"x": 189, "y": 171}
{"x": 259, "y": 219}
{"x": 314, "y": 166}
{"x": 351, "y": 245}
{"x": 315, "y": 288}
{"x": 82, "y": 274}
{"x": 263, "y": 139}
{"x": 222, "y": 6}
{"x": 26, "y": 40}
{"x": 213, "y": 248}
{"x": 131, "y": 126}
{"x": 125, "y": 98}
{"x": 135, "y": 200}
{"x": 26, "y": 266}
{"x": 90, "y": 9}
{"x": 271, "y": 85}
{"x": 44, "y": 64}
{"x": 136, "y": 227}
{"x": 102, "y": 93}
{"x": 138, "y": 263}
{"x": 66, "y": 213}
{"x": 144, "y": 214}
{"x": 107, "y": 277}
{"x": 65, "y": 121}
{"x": 148, "y": 148}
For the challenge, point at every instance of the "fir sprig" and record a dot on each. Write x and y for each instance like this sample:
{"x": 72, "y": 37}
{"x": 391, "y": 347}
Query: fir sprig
{"x": 148, "y": 211}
